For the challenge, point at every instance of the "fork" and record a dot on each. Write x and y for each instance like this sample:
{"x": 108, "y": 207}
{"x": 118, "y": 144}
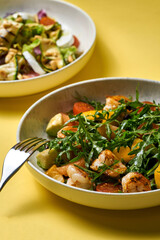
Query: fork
{"x": 17, "y": 156}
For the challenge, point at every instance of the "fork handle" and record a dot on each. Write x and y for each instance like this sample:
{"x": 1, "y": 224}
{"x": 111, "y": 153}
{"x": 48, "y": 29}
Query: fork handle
{"x": 13, "y": 161}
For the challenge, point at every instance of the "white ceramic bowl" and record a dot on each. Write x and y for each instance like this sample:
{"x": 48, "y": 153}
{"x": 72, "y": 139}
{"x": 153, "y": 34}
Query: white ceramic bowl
{"x": 67, "y": 14}
{"x": 34, "y": 122}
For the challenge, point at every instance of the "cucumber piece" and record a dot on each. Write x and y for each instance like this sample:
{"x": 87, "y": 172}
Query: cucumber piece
{"x": 54, "y": 35}
{"x": 9, "y": 71}
{"x": 8, "y": 32}
{"x": 48, "y": 27}
{"x": 52, "y": 27}
{"x": 69, "y": 52}
{"x": 51, "y": 58}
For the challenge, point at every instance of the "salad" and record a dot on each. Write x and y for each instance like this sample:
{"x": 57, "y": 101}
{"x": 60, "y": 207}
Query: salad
{"x": 32, "y": 45}
{"x": 112, "y": 147}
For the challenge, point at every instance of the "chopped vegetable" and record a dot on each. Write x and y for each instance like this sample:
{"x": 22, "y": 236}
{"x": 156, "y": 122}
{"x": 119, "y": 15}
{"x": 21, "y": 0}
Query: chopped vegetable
{"x": 42, "y": 13}
{"x": 76, "y": 41}
{"x": 80, "y": 107}
{"x": 66, "y": 40}
{"x": 56, "y": 123}
{"x": 46, "y": 158}
{"x": 33, "y": 63}
{"x": 47, "y": 21}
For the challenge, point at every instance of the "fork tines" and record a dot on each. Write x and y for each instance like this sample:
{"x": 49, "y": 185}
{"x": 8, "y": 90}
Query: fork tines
{"x": 30, "y": 145}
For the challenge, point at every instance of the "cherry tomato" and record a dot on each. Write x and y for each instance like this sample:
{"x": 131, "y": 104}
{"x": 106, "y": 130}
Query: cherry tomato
{"x": 47, "y": 21}
{"x": 147, "y": 102}
{"x": 76, "y": 41}
{"x": 79, "y": 107}
{"x": 155, "y": 126}
{"x": 141, "y": 125}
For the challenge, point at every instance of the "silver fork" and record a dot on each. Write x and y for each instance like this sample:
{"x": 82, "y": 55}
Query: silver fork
{"x": 17, "y": 156}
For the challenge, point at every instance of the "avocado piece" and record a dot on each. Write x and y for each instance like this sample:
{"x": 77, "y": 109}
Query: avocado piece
{"x": 46, "y": 158}
{"x": 56, "y": 123}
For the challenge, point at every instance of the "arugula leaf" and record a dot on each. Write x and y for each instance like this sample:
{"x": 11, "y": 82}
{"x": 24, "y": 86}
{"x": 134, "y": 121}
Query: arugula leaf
{"x": 31, "y": 46}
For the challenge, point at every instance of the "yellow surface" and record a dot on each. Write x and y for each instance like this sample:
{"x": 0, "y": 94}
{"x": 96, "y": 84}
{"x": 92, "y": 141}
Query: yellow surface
{"x": 128, "y": 45}
{"x": 157, "y": 176}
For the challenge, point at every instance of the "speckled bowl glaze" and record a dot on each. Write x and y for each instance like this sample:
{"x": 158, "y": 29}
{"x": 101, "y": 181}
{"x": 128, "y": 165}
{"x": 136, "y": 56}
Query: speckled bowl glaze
{"x": 66, "y": 14}
{"x": 35, "y": 120}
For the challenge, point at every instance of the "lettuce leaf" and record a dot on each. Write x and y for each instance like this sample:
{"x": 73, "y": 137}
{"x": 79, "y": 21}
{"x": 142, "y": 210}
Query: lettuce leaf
{"x": 68, "y": 51}
{"x": 31, "y": 46}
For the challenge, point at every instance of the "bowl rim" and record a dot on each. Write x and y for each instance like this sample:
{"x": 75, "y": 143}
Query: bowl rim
{"x": 70, "y": 86}
{"x": 76, "y": 60}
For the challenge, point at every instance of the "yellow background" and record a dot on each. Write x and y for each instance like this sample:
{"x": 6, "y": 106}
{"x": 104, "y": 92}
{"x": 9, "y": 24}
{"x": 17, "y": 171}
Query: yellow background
{"x": 128, "y": 45}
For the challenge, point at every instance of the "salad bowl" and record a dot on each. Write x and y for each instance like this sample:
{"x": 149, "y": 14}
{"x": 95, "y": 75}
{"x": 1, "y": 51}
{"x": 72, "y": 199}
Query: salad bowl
{"x": 36, "y": 118}
{"x": 69, "y": 17}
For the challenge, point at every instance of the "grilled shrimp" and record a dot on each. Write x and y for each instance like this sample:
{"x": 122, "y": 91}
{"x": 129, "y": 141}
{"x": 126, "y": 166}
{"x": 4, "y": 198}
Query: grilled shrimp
{"x": 78, "y": 178}
{"x": 66, "y": 128}
{"x": 52, "y": 172}
{"x": 63, "y": 169}
{"x": 115, "y": 167}
{"x": 112, "y": 102}
{"x": 135, "y": 182}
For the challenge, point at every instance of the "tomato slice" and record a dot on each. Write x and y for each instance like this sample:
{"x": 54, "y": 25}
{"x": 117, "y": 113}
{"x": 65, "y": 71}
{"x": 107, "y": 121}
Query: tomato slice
{"x": 30, "y": 75}
{"x": 47, "y": 21}
{"x": 109, "y": 187}
{"x": 155, "y": 126}
{"x": 147, "y": 102}
{"x": 76, "y": 41}
{"x": 80, "y": 107}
